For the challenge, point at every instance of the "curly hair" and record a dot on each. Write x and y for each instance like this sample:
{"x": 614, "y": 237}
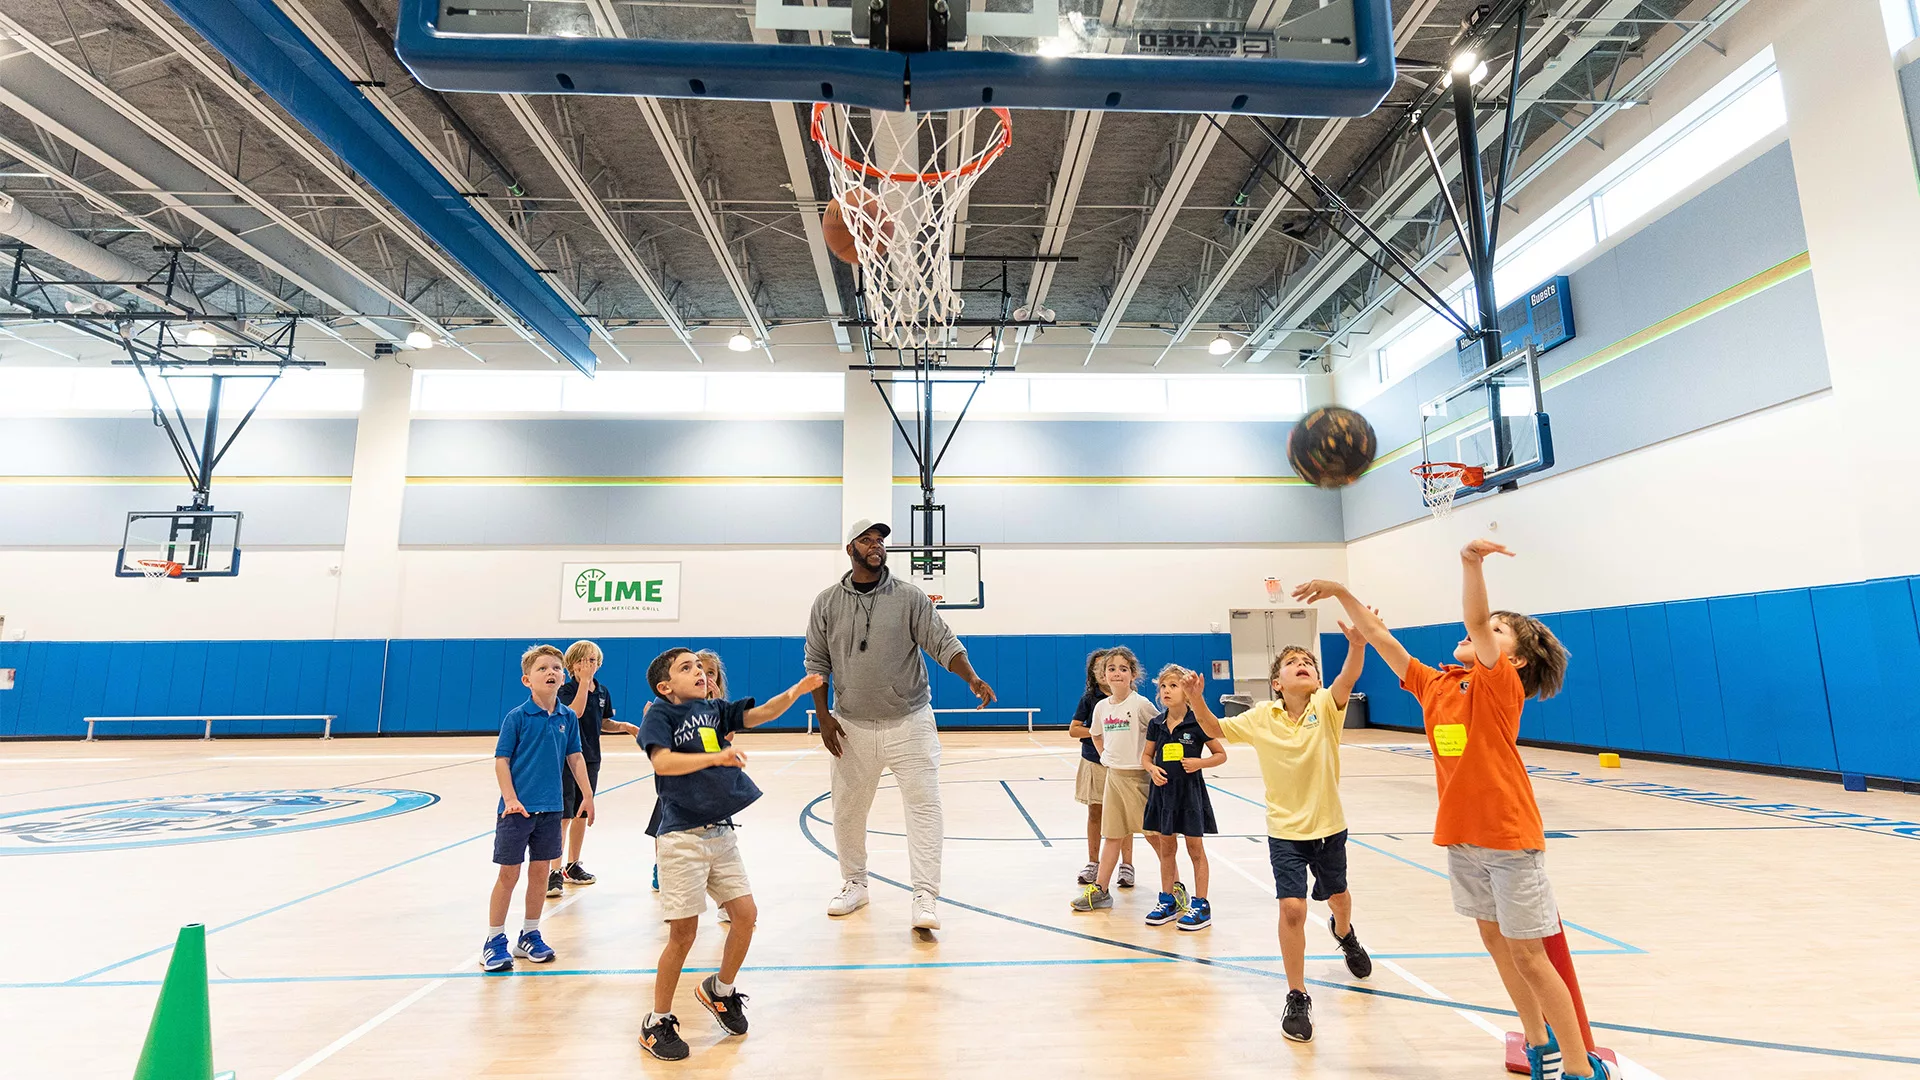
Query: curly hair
{"x": 1273, "y": 670}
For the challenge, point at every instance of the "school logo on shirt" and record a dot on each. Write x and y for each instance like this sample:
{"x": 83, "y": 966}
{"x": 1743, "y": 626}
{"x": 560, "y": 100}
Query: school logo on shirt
{"x": 1311, "y": 720}
{"x": 161, "y": 820}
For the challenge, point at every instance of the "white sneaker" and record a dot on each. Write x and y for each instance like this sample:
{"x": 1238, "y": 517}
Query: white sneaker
{"x": 724, "y": 917}
{"x": 926, "y": 911}
{"x": 853, "y": 897}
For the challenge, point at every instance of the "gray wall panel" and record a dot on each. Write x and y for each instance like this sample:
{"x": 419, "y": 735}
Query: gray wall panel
{"x": 1110, "y": 448}
{"x": 1762, "y": 351}
{"x": 536, "y": 515}
{"x": 1910, "y": 92}
{"x": 1130, "y": 514}
{"x": 615, "y": 447}
{"x": 39, "y": 515}
{"x": 133, "y": 446}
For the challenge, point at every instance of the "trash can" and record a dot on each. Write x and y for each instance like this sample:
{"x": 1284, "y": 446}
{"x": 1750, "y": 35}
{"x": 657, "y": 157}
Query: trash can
{"x": 1356, "y": 711}
{"x": 1235, "y": 704}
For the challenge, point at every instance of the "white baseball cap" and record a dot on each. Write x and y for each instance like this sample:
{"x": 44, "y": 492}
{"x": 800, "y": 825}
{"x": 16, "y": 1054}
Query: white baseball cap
{"x": 863, "y": 526}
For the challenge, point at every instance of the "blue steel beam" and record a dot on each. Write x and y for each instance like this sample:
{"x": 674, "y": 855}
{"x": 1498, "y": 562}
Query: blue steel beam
{"x": 261, "y": 42}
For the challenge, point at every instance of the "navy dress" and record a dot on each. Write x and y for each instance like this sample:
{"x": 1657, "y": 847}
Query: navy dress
{"x": 1180, "y": 807}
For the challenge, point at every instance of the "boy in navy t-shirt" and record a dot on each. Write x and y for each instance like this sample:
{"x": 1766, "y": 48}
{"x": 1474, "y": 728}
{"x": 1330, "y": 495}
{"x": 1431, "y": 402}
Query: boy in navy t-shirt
{"x": 539, "y": 739}
{"x": 701, "y": 785}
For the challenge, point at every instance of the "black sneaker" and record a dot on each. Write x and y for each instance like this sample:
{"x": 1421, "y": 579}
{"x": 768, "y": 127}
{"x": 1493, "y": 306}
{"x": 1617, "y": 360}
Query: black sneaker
{"x": 553, "y": 883}
{"x": 729, "y": 1009}
{"x": 1358, "y": 961}
{"x": 663, "y": 1040}
{"x": 1297, "y": 1022}
{"x": 576, "y": 874}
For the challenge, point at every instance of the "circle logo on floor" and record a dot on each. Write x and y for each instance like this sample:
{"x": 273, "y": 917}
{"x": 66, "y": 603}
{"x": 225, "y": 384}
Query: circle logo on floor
{"x": 159, "y": 820}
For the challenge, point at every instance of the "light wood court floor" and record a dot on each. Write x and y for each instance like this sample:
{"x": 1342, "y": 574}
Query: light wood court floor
{"x": 1717, "y": 937}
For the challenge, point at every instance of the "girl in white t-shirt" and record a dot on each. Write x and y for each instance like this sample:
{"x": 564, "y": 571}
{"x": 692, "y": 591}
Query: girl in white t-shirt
{"x": 1120, "y": 734}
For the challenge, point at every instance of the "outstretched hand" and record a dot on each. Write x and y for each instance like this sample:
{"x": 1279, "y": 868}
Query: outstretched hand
{"x": 1317, "y": 590}
{"x": 1195, "y": 686}
{"x": 1354, "y": 636}
{"x": 1478, "y": 550}
{"x": 812, "y": 682}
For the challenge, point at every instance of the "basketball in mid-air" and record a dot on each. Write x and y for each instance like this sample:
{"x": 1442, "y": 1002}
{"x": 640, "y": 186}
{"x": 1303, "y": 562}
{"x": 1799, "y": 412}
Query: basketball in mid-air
{"x": 1331, "y": 446}
{"x": 858, "y": 209}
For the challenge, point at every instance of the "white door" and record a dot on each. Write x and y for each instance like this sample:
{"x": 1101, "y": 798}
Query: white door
{"x": 1258, "y": 635}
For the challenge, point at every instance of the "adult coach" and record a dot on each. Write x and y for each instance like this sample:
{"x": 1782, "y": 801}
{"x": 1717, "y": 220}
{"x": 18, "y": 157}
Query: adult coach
{"x": 865, "y": 636}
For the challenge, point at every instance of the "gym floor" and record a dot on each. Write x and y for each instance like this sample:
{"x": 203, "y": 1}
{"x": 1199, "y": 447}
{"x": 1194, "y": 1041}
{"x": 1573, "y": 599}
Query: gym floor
{"x": 1726, "y": 936}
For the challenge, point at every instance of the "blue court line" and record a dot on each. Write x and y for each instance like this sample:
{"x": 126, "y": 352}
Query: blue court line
{"x": 547, "y": 973}
{"x": 1722, "y": 1040}
{"x": 1031, "y": 824}
{"x": 317, "y": 893}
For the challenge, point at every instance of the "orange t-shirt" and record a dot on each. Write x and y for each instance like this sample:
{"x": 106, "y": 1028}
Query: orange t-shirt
{"x": 1473, "y": 728}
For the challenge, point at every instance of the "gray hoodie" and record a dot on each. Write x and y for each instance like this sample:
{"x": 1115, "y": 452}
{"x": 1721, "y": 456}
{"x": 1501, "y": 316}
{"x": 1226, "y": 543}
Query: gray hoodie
{"x": 887, "y": 679}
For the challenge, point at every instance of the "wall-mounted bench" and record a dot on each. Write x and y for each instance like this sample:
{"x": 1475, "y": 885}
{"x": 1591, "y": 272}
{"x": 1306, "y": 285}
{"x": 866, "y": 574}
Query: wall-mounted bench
{"x": 326, "y": 731}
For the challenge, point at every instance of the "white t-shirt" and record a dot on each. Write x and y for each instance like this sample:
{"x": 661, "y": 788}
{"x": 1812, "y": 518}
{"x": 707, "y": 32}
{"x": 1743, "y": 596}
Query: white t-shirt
{"x": 1123, "y": 727}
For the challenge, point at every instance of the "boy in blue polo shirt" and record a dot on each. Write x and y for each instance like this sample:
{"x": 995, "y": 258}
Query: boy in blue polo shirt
{"x": 538, "y": 740}
{"x": 701, "y": 786}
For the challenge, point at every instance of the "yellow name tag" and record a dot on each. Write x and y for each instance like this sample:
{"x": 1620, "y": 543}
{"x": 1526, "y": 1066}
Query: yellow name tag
{"x": 1172, "y": 751}
{"x": 1450, "y": 740}
{"x": 709, "y": 740}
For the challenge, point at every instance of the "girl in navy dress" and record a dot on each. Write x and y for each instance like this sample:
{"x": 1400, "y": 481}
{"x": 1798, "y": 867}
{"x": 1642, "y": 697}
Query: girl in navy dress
{"x": 1177, "y": 804}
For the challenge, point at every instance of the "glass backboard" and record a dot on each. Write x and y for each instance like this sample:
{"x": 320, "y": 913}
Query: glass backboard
{"x": 187, "y": 545}
{"x": 950, "y": 576}
{"x": 1268, "y": 57}
{"x": 1493, "y": 420}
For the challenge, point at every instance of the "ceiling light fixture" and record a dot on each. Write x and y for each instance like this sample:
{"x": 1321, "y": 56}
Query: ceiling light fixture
{"x": 200, "y": 336}
{"x": 419, "y": 339}
{"x": 1220, "y": 346}
{"x": 740, "y": 342}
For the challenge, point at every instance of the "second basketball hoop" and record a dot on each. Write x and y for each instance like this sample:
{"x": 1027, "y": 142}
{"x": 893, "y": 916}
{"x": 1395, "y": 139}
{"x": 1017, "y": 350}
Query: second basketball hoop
{"x": 899, "y": 181}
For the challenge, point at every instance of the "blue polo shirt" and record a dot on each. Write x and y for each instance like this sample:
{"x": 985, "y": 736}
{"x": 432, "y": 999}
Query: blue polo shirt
{"x": 707, "y": 796}
{"x": 537, "y": 745}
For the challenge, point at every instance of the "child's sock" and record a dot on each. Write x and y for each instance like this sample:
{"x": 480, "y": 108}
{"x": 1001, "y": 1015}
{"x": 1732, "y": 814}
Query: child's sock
{"x": 495, "y": 931}
{"x": 654, "y": 1018}
{"x": 529, "y": 924}
{"x": 721, "y": 988}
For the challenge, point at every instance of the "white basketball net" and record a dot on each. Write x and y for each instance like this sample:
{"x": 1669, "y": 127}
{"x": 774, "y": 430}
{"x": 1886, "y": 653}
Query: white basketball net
{"x": 158, "y": 568}
{"x": 912, "y": 172}
{"x": 1441, "y": 482}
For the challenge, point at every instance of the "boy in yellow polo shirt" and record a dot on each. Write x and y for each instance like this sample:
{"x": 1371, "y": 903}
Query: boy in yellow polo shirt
{"x": 1296, "y": 736}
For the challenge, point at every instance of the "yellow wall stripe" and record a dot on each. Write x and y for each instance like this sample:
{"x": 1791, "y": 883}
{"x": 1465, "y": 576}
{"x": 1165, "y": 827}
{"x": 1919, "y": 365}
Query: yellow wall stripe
{"x": 1712, "y": 305}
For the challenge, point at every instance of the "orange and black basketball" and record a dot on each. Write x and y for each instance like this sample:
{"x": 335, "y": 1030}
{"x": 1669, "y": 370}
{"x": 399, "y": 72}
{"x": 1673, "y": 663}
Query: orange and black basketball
{"x": 1330, "y": 447}
{"x": 857, "y": 209}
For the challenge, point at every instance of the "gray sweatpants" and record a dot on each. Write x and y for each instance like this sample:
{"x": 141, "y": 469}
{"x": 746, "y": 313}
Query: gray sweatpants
{"x": 911, "y": 748}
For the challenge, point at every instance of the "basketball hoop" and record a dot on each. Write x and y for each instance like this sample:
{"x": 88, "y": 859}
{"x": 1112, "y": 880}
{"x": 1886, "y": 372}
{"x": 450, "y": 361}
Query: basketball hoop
{"x": 900, "y": 182}
{"x": 1442, "y": 481}
{"x": 160, "y": 568}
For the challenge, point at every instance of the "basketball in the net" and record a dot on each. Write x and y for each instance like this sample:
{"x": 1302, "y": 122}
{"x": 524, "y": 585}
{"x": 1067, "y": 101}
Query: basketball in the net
{"x": 859, "y": 209}
{"x": 1330, "y": 447}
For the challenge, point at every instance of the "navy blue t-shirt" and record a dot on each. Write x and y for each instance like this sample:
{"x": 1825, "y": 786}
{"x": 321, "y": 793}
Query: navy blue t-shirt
{"x": 598, "y": 709}
{"x": 708, "y": 796}
{"x": 1084, "y": 717}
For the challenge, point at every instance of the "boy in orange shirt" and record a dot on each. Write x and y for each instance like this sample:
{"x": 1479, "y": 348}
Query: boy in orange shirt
{"x": 1488, "y": 820}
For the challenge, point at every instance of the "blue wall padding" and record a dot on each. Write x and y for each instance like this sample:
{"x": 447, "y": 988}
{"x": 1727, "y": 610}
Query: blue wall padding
{"x": 1808, "y": 678}
{"x": 465, "y": 684}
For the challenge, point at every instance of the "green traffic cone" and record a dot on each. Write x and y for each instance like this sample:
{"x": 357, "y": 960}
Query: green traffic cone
{"x": 180, "y": 1039}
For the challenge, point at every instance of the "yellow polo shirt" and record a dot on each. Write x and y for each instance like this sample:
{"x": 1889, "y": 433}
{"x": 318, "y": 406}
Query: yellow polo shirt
{"x": 1300, "y": 762}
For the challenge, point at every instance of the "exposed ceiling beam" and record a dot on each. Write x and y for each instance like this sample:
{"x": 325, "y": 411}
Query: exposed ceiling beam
{"x": 606, "y": 18}
{"x": 436, "y": 154}
{"x": 1083, "y": 129}
{"x": 220, "y": 74}
{"x": 576, "y": 184}
{"x": 69, "y": 102}
{"x": 1270, "y": 212}
{"x": 1187, "y": 168}
{"x": 1415, "y": 185}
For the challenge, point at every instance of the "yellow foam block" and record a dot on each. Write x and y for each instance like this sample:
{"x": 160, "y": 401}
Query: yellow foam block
{"x": 1609, "y": 761}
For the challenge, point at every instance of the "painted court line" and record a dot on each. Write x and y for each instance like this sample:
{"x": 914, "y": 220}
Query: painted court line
{"x": 1031, "y": 824}
{"x": 1430, "y": 990}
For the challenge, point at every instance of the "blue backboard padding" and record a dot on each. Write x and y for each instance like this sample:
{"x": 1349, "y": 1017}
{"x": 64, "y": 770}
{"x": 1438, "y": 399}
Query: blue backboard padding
{"x": 1808, "y": 678}
{"x": 876, "y": 79}
{"x": 424, "y": 686}
{"x": 258, "y": 39}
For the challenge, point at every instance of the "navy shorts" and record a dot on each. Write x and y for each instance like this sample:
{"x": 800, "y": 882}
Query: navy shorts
{"x": 516, "y": 838}
{"x": 570, "y": 791}
{"x": 1326, "y": 857}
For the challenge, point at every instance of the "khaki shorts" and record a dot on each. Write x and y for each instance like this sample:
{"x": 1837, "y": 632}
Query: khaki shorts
{"x": 1124, "y": 804}
{"x": 1090, "y": 787}
{"x": 696, "y": 864}
{"x": 1507, "y": 887}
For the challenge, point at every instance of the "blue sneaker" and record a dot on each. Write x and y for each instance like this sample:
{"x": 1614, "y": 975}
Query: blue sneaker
{"x": 1163, "y": 912}
{"x": 656, "y": 877}
{"x": 533, "y": 947}
{"x": 1602, "y": 1068}
{"x": 1543, "y": 1062}
{"x": 494, "y": 955}
{"x": 1199, "y": 914}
